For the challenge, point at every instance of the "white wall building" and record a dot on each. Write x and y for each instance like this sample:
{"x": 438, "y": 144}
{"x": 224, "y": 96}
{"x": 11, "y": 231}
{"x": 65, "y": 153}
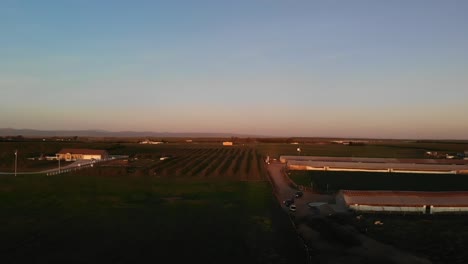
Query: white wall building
{"x": 404, "y": 201}
{"x": 82, "y": 154}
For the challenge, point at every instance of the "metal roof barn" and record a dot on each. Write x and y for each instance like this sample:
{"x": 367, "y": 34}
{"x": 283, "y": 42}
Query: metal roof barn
{"x": 405, "y": 201}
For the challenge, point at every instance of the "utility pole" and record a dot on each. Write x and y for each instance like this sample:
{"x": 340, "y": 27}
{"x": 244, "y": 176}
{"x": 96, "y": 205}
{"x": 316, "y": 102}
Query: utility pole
{"x": 59, "y": 165}
{"x": 16, "y": 161}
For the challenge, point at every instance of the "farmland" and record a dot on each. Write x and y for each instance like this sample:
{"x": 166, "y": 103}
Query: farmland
{"x": 238, "y": 163}
{"x": 180, "y": 201}
{"x": 83, "y": 219}
{"x": 227, "y": 162}
{"x": 204, "y": 203}
{"x": 377, "y": 149}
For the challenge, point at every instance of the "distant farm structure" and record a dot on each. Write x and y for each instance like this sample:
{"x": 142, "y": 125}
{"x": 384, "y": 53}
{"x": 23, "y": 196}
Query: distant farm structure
{"x": 82, "y": 154}
{"x": 227, "y": 143}
{"x": 147, "y": 141}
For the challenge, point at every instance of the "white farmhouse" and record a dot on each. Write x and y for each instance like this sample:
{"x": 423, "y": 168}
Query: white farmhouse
{"x": 82, "y": 154}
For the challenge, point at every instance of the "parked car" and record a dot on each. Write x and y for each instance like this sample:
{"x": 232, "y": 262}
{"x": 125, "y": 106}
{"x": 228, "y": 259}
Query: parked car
{"x": 288, "y": 202}
{"x": 299, "y": 194}
{"x": 292, "y": 207}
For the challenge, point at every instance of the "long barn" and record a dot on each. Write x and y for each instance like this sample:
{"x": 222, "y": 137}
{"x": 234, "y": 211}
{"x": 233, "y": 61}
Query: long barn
{"x": 435, "y": 166}
{"x": 404, "y": 201}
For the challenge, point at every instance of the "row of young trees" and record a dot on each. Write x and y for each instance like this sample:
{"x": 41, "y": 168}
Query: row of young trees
{"x": 243, "y": 163}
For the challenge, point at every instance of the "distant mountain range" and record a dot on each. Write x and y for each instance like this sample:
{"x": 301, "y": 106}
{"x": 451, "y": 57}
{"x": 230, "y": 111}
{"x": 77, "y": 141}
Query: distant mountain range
{"x": 102, "y": 133}
{"x": 12, "y": 132}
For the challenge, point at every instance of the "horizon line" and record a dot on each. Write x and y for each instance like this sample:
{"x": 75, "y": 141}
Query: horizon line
{"x": 241, "y": 135}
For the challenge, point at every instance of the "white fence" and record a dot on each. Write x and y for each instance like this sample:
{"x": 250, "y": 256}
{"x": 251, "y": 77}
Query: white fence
{"x": 441, "y": 210}
{"x": 66, "y": 170}
{"x": 398, "y": 209}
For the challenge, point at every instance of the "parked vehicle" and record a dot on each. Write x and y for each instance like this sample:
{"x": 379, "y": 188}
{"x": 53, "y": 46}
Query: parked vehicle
{"x": 288, "y": 202}
{"x": 299, "y": 194}
{"x": 292, "y": 207}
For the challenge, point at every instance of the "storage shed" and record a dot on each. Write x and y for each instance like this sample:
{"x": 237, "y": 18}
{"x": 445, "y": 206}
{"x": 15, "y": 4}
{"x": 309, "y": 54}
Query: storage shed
{"x": 82, "y": 154}
{"x": 405, "y": 201}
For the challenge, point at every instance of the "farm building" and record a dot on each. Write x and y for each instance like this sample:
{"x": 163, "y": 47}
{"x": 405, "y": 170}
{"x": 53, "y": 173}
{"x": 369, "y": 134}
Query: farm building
{"x": 150, "y": 142}
{"x": 82, "y": 154}
{"x": 227, "y": 143}
{"x": 404, "y": 201}
{"x": 434, "y": 166}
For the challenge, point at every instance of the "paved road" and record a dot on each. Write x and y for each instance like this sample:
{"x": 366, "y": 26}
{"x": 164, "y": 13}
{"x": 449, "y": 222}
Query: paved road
{"x": 285, "y": 189}
{"x": 316, "y": 238}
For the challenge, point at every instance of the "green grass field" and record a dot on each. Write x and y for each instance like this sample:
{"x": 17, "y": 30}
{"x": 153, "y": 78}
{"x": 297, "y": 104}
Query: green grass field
{"x": 84, "y": 219}
{"x": 441, "y": 239}
{"x": 337, "y": 180}
{"x": 205, "y": 203}
{"x": 384, "y": 149}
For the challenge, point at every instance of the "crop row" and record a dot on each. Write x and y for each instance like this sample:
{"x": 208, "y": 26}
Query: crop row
{"x": 244, "y": 163}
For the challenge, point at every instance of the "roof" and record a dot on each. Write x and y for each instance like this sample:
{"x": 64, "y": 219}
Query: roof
{"x": 396, "y": 166}
{"x": 406, "y": 198}
{"x": 83, "y": 151}
{"x": 373, "y": 160}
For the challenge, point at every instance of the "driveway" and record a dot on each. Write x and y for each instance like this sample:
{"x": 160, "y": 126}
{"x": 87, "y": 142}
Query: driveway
{"x": 286, "y": 189}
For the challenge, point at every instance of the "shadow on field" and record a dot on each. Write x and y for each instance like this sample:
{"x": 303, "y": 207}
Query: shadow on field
{"x": 334, "y": 239}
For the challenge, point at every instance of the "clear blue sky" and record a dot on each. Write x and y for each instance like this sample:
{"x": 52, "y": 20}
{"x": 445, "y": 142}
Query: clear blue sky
{"x": 377, "y": 68}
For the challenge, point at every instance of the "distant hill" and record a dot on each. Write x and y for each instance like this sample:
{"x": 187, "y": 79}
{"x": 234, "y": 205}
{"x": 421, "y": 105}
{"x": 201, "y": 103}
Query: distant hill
{"x": 102, "y": 133}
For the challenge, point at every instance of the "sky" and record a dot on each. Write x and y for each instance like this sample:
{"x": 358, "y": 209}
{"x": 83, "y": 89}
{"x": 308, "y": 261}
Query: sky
{"x": 376, "y": 68}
